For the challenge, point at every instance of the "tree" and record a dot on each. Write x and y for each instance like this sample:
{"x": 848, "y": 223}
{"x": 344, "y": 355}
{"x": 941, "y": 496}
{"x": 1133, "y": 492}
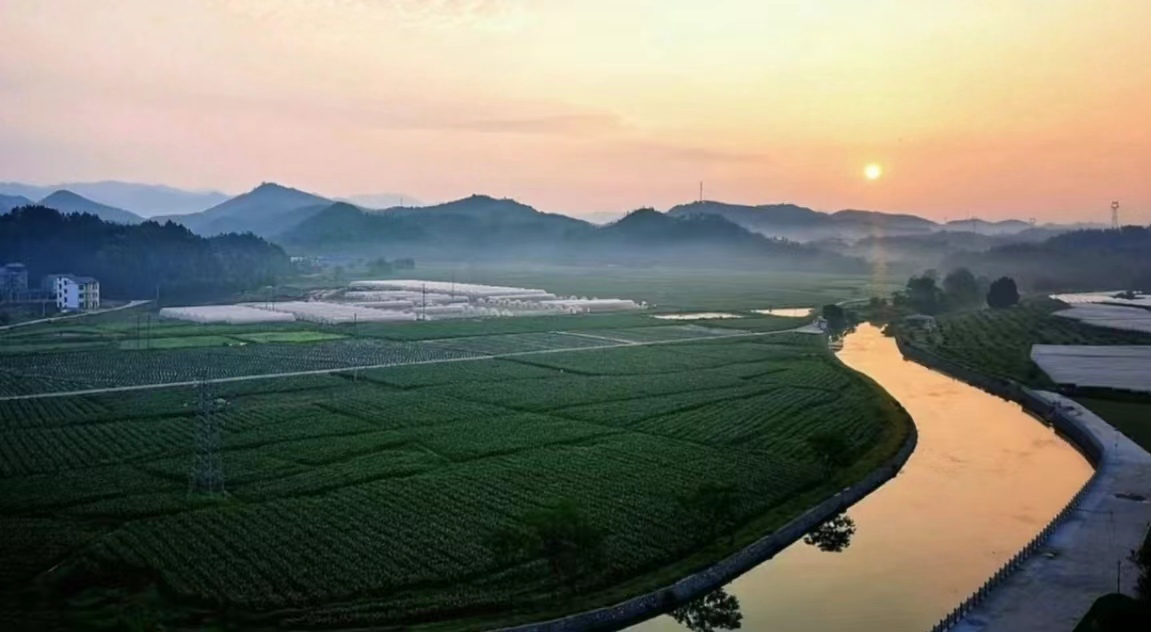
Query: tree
{"x": 380, "y": 266}
{"x": 713, "y": 507}
{"x": 560, "y": 534}
{"x": 714, "y": 611}
{"x": 1003, "y": 293}
{"x": 961, "y": 288}
{"x": 923, "y": 294}
{"x": 832, "y": 536}
{"x": 836, "y": 320}
{"x": 830, "y": 448}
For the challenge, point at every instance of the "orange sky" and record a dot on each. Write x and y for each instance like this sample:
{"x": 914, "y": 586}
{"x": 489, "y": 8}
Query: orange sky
{"x": 997, "y": 108}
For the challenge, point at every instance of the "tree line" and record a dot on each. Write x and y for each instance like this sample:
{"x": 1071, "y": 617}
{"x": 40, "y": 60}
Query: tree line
{"x": 959, "y": 289}
{"x": 138, "y": 261}
{"x": 1079, "y": 260}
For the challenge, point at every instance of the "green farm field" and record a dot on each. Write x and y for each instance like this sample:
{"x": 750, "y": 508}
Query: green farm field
{"x": 998, "y": 342}
{"x": 369, "y": 468}
{"x": 368, "y": 498}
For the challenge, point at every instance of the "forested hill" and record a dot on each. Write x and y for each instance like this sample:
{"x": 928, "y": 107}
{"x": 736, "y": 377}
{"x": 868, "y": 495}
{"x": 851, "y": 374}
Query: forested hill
{"x": 480, "y": 227}
{"x": 132, "y": 261}
{"x": 804, "y": 224}
{"x": 1079, "y": 260}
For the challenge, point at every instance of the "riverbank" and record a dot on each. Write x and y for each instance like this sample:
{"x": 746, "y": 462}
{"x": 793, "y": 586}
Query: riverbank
{"x": 1086, "y": 556}
{"x": 1082, "y": 555}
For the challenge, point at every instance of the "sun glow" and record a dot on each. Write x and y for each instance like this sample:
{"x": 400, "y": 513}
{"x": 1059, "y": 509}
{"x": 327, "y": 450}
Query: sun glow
{"x": 872, "y": 171}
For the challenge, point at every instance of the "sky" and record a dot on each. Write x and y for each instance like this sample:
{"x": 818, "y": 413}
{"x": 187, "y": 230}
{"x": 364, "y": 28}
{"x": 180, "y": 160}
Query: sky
{"x": 989, "y": 108}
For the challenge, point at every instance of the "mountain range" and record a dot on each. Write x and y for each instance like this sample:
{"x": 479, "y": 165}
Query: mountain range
{"x": 150, "y": 200}
{"x": 485, "y": 227}
{"x": 804, "y": 224}
{"x": 482, "y": 227}
{"x": 144, "y": 200}
{"x": 68, "y": 202}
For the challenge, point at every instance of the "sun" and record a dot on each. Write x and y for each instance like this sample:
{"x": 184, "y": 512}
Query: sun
{"x": 872, "y": 171}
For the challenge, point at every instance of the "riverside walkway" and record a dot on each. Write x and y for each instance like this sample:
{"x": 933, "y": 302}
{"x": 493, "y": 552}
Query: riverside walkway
{"x": 1087, "y": 555}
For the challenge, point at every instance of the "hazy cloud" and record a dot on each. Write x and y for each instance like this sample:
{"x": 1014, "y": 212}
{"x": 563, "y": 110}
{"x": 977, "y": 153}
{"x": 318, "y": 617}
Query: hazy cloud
{"x": 560, "y": 124}
{"x": 489, "y": 14}
{"x": 693, "y": 153}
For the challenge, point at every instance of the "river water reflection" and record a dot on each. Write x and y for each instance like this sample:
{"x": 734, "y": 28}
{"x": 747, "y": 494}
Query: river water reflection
{"x": 984, "y": 479}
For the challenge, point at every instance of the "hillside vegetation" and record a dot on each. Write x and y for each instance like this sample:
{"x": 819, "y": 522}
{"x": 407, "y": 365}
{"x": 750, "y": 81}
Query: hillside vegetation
{"x": 137, "y": 261}
{"x": 484, "y": 228}
{"x": 1079, "y": 260}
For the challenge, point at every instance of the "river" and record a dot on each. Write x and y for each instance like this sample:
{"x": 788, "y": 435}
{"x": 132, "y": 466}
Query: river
{"x": 984, "y": 479}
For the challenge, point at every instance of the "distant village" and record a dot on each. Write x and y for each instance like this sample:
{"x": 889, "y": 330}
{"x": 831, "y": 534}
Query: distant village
{"x": 68, "y": 292}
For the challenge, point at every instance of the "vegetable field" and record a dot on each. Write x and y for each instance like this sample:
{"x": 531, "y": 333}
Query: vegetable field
{"x": 998, "y": 342}
{"x": 371, "y": 498}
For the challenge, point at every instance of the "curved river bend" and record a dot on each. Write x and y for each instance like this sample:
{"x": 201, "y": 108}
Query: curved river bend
{"x": 984, "y": 479}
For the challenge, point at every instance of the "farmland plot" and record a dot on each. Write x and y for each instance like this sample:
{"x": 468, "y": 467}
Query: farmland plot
{"x": 369, "y": 499}
{"x": 998, "y": 342}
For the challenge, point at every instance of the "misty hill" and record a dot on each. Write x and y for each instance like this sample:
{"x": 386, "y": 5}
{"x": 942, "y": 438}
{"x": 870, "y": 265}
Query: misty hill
{"x": 9, "y": 202}
{"x": 1094, "y": 259}
{"x": 145, "y": 200}
{"x": 481, "y": 227}
{"x": 804, "y": 224}
{"x": 1007, "y": 226}
{"x": 268, "y": 209}
{"x": 914, "y": 253}
{"x": 601, "y": 217}
{"x": 381, "y": 200}
{"x": 132, "y": 261}
{"x": 472, "y": 224}
{"x": 68, "y": 202}
{"x": 894, "y": 223}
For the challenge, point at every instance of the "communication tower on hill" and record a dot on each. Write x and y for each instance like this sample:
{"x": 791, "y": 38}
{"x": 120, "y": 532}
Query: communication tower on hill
{"x": 1115, "y": 214}
{"x": 207, "y": 475}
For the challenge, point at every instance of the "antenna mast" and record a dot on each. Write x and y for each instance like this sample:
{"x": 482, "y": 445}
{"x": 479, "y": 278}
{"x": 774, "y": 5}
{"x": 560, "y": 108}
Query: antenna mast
{"x": 1115, "y": 214}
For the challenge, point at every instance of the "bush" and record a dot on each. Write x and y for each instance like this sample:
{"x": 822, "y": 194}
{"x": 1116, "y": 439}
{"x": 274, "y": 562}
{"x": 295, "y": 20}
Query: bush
{"x": 1003, "y": 293}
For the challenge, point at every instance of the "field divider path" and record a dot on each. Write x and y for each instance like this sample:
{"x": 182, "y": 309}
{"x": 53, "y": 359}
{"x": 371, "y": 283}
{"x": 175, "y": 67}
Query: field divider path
{"x": 270, "y": 376}
{"x": 595, "y": 337}
{"x": 95, "y": 312}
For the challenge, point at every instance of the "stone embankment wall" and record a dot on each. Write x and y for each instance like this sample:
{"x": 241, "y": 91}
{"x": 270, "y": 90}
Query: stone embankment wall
{"x": 1066, "y": 425}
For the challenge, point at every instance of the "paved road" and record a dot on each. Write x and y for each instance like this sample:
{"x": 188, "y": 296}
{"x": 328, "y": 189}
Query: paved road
{"x": 38, "y": 321}
{"x": 1086, "y": 557}
{"x": 268, "y": 376}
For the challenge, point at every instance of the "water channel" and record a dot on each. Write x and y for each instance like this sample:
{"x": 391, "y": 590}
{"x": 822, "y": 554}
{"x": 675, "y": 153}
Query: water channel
{"x": 984, "y": 479}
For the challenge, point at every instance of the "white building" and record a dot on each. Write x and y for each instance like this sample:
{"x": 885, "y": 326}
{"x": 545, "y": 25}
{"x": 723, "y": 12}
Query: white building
{"x": 75, "y": 292}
